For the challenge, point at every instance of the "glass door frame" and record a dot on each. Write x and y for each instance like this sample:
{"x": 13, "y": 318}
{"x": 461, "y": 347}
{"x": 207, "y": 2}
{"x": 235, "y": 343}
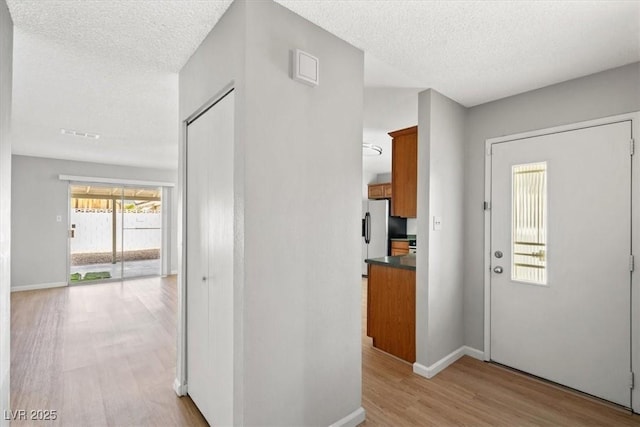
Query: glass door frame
{"x": 164, "y": 198}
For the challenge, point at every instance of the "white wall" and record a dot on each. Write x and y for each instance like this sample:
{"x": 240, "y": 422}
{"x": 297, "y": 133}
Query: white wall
{"x": 93, "y": 232}
{"x": 218, "y": 62}
{"x": 412, "y": 226}
{"x": 39, "y": 256}
{"x": 603, "y": 94}
{"x": 386, "y": 109}
{"x": 383, "y": 177}
{"x": 6, "y": 71}
{"x": 439, "y": 279}
{"x": 367, "y": 178}
{"x": 303, "y": 308}
{"x": 298, "y": 176}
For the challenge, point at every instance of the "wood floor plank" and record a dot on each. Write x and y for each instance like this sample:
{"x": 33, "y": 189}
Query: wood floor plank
{"x": 98, "y": 354}
{"x": 104, "y": 355}
{"x": 472, "y": 393}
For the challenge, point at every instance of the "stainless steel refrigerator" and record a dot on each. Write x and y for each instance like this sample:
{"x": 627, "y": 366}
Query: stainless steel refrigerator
{"x": 375, "y": 237}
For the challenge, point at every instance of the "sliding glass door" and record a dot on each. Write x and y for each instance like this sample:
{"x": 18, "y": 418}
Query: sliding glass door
{"x": 141, "y": 232}
{"x": 115, "y": 232}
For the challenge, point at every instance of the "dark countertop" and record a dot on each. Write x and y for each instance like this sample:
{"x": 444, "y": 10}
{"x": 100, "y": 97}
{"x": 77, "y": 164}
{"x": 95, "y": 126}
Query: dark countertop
{"x": 405, "y": 239}
{"x": 407, "y": 262}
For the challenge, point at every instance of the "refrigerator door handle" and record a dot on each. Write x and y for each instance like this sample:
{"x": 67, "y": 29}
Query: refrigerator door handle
{"x": 367, "y": 229}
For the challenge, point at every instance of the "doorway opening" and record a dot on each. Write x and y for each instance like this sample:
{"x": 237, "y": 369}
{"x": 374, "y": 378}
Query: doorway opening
{"x": 115, "y": 232}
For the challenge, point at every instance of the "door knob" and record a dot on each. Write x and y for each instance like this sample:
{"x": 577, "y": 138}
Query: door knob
{"x": 498, "y": 270}
{"x": 204, "y": 278}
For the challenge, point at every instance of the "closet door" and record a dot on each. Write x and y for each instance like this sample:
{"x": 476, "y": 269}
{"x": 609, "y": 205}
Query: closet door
{"x": 197, "y": 213}
{"x": 210, "y": 225}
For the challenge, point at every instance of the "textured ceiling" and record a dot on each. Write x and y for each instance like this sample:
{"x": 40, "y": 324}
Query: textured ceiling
{"x": 471, "y": 51}
{"x": 479, "y": 51}
{"x": 134, "y": 109}
{"x": 161, "y": 34}
{"x": 105, "y": 67}
{"x": 110, "y": 66}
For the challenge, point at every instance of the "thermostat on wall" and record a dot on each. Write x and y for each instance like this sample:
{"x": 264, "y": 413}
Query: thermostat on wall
{"x": 306, "y": 68}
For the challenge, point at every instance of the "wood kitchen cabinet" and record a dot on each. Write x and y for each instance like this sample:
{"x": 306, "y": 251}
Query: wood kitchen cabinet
{"x": 391, "y": 310}
{"x": 404, "y": 172}
{"x": 380, "y": 191}
{"x": 399, "y": 247}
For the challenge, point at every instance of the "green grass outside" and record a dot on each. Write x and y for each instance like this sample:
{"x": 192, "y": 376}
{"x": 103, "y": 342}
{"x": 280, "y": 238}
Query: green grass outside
{"x": 92, "y": 275}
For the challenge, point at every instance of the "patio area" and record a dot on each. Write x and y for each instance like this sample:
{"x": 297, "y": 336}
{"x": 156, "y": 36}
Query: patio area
{"x": 148, "y": 267}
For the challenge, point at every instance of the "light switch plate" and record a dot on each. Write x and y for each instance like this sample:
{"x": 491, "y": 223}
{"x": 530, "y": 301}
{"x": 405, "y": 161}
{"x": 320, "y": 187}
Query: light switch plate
{"x": 306, "y": 68}
{"x": 437, "y": 223}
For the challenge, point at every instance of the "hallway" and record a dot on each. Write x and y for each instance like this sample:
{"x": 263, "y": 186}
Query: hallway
{"x": 104, "y": 354}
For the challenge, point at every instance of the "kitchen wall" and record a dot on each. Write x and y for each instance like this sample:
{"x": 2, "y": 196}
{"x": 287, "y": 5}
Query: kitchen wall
{"x": 297, "y": 177}
{"x": 412, "y": 226}
{"x": 6, "y": 74}
{"x": 603, "y": 94}
{"x": 367, "y": 178}
{"x": 386, "y": 109}
{"x": 383, "y": 177}
{"x": 439, "y": 278}
{"x": 373, "y": 178}
{"x": 39, "y": 255}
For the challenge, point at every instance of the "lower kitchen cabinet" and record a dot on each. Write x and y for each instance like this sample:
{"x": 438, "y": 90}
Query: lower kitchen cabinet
{"x": 391, "y": 310}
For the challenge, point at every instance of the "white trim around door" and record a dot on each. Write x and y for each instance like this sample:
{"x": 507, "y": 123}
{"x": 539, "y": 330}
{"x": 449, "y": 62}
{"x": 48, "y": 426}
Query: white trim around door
{"x": 180, "y": 385}
{"x": 116, "y": 181}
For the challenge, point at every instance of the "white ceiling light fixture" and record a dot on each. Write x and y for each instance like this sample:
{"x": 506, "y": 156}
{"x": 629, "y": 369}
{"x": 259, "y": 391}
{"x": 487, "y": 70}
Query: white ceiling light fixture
{"x": 371, "y": 150}
{"x": 80, "y": 134}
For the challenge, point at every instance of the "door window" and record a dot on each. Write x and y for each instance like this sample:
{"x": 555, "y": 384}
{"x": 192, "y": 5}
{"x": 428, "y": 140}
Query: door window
{"x": 529, "y": 223}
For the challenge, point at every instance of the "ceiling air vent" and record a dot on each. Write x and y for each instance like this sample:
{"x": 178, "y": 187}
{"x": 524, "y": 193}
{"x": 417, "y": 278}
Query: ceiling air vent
{"x": 80, "y": 134}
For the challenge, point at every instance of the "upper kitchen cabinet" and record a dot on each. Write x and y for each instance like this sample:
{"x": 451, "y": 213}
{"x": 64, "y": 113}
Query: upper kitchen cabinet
{"x": 380, "y": 191}
{"x": 404, "y": 172}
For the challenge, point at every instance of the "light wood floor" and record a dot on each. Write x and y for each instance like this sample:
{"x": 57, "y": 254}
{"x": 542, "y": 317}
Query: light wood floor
{"x": 471, "y": 393}
{"x": 99, "y": 354}
{"x": 104, "y": 354}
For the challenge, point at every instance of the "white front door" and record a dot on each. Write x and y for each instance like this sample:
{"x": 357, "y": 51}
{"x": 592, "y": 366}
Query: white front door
{"x": 560, "y": 258}
{"x": 210, "y": 259}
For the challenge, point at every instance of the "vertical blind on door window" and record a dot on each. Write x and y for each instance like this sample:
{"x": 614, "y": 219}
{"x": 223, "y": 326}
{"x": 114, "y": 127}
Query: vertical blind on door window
{"x": 529, "y": 223}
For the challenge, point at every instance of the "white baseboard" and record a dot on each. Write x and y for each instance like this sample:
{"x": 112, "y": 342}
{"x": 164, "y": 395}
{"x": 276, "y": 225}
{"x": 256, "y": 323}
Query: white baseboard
{"x": 173, "y": 272}
{"x": 38, "y": 286}
{"x": 352, "y": 420}
{"x": 442, "y": 364}
{"x": 179, "y": 388}
{"x": 474, "y": 352}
